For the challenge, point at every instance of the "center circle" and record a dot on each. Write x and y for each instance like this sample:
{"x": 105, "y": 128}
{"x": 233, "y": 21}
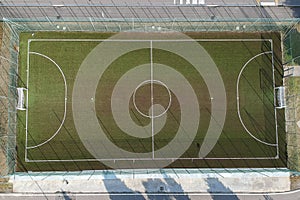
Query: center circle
{"x": 151, "y": 115}
{"x": 92, "y": 133}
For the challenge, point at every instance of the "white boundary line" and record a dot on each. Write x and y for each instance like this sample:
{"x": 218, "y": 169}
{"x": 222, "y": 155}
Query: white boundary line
{"x": 27, "y": 99}
{"x": 150, "y": 159}
{"x": 171, "y": 40}
{"x": 151, "y": 41}
{"x": 274, "y": 94}
{"x": 65, "y": 110}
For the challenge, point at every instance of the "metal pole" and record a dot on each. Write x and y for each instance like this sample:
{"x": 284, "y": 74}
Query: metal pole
{"x": 92, "y": 23}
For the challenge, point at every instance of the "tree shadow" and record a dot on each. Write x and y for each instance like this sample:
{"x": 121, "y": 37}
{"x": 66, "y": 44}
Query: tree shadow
{"x": 217, "y": 188}
{"x": 118, "y": 190}
{"x": 166, "y": 188}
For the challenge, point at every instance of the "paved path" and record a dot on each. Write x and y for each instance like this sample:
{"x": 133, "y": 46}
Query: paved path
{"x": 296, "y": 71}
{"x": 151, "y": 9}
{"x": 294, "y": 195}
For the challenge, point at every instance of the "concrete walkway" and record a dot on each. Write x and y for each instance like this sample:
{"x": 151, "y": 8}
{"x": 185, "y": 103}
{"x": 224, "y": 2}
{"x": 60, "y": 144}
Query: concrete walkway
{"x": 291, "y": 71}
{"x": 224, "y": 182}
{"x": 296, "y": 71}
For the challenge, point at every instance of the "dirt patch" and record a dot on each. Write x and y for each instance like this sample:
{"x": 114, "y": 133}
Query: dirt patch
{"x": 5, "y": 186}
{"x": 295, "y": 182}
{"x": 0, "y": 33}
{"x": 3, "y": 110}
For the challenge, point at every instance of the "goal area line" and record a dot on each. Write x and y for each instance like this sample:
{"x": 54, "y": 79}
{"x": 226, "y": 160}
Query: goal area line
{"x": 153, "y": 151}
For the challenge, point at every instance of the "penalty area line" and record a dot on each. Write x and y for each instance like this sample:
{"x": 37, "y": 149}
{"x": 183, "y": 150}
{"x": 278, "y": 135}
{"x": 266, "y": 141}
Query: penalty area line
{"x": 65, "y": 100}
{"x": 238, "y": 101}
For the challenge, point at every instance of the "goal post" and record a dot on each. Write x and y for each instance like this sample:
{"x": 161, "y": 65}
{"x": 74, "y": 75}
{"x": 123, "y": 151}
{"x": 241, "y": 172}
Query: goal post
{"x": 280, "y": 97}
{"x": 21, "y": 99}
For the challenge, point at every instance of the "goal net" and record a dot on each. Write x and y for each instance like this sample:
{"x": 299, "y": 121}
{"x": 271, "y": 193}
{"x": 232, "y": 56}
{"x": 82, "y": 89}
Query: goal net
{"x": 280, "y": 94}
{"x": 21, "y": 102}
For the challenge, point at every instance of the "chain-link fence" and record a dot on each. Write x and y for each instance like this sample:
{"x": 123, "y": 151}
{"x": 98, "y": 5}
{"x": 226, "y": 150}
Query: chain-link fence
{"x": 149, "y": 25}
{"x": 291, "y": 45}
{"x": 13, "y": 26}
{"x": 292, "y": 117}
{"x": 291, "y": 58}
{"x": 8, "y": 81}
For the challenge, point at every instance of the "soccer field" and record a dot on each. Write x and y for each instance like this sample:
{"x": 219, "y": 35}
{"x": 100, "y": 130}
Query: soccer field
{"x": 149, "y": 100}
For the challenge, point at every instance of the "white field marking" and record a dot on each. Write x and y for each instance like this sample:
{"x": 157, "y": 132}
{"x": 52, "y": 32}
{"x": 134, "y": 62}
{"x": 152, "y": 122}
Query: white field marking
{"x": 65, "y": 110}
{"x": 238, "y": 101}
{"x": 274, "y": 92}
{"x": 143, "y": 83}
{"x": 27, "y": 99}
{"x": 58, "y": 5}
{"x": 149, "y": 40}
{"x": 124, "y": 40}
{"x": 152, "y": 111}
{"x": 150, "y": 159}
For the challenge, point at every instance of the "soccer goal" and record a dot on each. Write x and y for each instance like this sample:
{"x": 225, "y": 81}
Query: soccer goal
{"x": 280, "y": 91}
{"x": 21, "y": 99}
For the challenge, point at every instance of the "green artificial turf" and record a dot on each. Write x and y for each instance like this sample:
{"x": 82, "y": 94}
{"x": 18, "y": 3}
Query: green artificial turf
{"x": 46, "y": 102}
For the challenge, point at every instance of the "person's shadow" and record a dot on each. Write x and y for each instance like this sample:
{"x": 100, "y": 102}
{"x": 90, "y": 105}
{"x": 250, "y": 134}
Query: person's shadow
{"x": 167, "y": 187}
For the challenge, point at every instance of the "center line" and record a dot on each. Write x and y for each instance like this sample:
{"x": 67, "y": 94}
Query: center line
{"x": 152, "y": 111}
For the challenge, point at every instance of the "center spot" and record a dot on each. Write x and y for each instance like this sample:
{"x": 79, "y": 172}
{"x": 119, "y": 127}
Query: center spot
{"x": 148, "y": 95}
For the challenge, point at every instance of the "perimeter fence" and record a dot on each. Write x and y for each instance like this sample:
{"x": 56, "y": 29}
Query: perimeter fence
{"x": 8, "y": 96}
{"x": 123, "y": 20}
